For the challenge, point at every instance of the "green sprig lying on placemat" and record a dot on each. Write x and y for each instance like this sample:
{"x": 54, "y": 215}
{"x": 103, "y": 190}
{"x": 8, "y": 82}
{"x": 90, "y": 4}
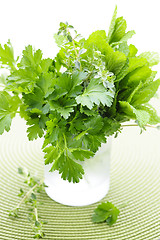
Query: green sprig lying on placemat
{"x": 29, "y": 197}
{"x": 105, "y": 212}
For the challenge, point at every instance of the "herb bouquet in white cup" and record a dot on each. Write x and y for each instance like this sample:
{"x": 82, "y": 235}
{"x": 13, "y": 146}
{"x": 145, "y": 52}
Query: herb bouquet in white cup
{"x": 76, "y": 101}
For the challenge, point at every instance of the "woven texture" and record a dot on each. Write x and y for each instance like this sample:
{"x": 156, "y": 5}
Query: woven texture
{"x": 135, "y": 183}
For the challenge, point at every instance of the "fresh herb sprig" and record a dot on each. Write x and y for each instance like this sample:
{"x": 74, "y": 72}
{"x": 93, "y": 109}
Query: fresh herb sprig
{"x": 29, "y": 198}
{"x": 105, "y": 212}
{"x": 82, "y": 95}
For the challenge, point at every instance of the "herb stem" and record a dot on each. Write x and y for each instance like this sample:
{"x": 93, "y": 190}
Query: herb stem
{"x": 65, "y": 142}
{"x": 77, "y": 55}
{"x": 36, "y": 214}
{"x": 75, "y": 48}
{"x": 27, "y": 194}
{"x": 136, "y": 125}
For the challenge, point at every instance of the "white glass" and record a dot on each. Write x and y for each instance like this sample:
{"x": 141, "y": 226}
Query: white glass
{"x": 92, "y": 188}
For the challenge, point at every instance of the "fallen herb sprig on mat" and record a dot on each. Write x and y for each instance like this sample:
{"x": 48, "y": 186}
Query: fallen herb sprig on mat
{"x": 105, "y": 212}
{"x": 29, "y": 198}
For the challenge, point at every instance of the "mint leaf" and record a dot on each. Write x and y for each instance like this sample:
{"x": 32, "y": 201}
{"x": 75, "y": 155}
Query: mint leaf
{"x": 154, "y": 118}
{"x": 124, "y": 39}
{"x": 145, "y": 93}
{"x": 112, "y": 25}
{"x": 141, "y": 116}
{"x": 119, "y": 30}
{"x": 114, "y": 60}
{"x": 153, "y": 58}
{"x": 132, "y": 50}
{"x": 140, "y": 74}
{"x": 105, "y": 212}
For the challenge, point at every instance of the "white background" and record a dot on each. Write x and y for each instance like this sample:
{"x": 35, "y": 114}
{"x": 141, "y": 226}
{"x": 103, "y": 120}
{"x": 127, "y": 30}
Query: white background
{"x": 35, "y": 21}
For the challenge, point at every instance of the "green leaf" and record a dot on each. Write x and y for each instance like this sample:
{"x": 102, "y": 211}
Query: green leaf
{"x": 153, "y": 58}
{"x": 125, "y": 38}
{"x": 20, "y": 170}
{"x": 69, "y": 84}
{"x": 95, "y": 93}
{"x": 46, "y": 83}
{"x": 132, "y": 50}
{"x": 145, "y": 93}
{"x": 3, "y": 79}
{"x": 31, "y": 59}
{"x": 112, "y": 24}
{"x": 45, "y": 64}
{"x": 63, "y": 161}
{"x": 69, "y": 169}
{"x": 115, "y": 61}
{"x": 93, "y": 141}
{"x": 33, "y": 196}
{"x": 34, "y": 131}
{"x": 119, "y": 30}
{"x": 7, "y": 56}
{"x": 77, "y": 80}
{"x": 154, "y": 118}
{"x": 65, "y": 107}
{"x": 110, "y": 126}
{"x": 51, "y": 154}
{"x": 141, "y": 116}
{"x": 81, "y": 154}
{"x": 135, "y": 63}
{"x": 35, "y": 99}
{"x": 8, "y": 108}
{"x": 59, "y": 39}
{"x": 123, "y": 47}
{"x": 22, "y": 80}
{"x": 105, "y": 212}
{"x": 37, "y": 223}
{"x": 134, "y": 92}
{"x": 94, "y": 125}
{"x": 5, "y": 124}
{"x": 138, "y": 75}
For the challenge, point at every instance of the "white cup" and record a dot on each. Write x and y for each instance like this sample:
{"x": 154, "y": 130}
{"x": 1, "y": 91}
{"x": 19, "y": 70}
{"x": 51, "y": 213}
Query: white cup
{"x": 92, "y": 188}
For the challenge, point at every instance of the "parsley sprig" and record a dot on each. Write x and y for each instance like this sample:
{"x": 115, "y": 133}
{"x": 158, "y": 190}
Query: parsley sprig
{"x": 105, "y": 212}
{"x": 82, "y": 95}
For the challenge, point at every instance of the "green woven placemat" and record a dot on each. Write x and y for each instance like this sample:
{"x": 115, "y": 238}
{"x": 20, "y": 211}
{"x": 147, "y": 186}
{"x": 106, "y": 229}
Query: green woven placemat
{"x": 135, "y": 178}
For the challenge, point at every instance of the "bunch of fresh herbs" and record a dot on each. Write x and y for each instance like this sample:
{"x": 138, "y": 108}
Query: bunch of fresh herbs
{"x": 81, "y": 96}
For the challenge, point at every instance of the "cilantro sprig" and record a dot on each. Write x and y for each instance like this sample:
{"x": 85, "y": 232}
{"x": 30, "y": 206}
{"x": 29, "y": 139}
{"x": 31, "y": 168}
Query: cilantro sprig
{"x": 82, "y": 95}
